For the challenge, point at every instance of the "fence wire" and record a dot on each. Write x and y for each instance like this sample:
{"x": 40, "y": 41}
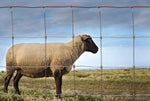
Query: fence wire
{"x": 13, "y": 65}
{"x": 101, "y": 95}
{"x": 45, "y": 48}
{"x": 75, "y": 7}
{"x": 101, "y": 48}
{"x": 133, "y": 54}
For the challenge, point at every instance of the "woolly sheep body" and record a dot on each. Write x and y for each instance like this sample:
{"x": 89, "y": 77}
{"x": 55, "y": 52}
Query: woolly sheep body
{"x": 30, "y": 57}
{"x": 30, "y": 60}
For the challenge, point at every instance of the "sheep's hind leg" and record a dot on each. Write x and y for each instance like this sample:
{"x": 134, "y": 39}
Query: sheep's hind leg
{"x": 58, "y": 82}
{"x": 7, "y": 80}
{"x": 16, "y": 81}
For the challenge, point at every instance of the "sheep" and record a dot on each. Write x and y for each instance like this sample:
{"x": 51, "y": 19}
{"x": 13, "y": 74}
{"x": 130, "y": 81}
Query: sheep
{"x": 31, "y": 60}
{"x": 126, "y": 69}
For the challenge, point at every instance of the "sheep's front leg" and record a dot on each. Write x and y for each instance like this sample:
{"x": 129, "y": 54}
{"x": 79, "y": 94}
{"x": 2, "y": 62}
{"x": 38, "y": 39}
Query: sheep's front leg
{"x": 58, "y": 82}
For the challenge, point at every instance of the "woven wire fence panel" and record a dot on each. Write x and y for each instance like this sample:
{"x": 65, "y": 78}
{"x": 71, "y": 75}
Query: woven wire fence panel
{"x": 81, "y": 83}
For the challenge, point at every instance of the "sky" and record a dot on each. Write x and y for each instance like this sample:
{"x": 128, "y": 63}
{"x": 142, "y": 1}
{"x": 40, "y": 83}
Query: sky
{"x": 116, "y": 52}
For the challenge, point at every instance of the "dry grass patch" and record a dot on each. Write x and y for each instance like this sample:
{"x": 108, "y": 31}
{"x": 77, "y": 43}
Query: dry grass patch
{"x": 114, "y": 82}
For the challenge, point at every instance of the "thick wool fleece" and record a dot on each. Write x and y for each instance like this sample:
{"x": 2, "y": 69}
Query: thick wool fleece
{"x": 33, "y": 61}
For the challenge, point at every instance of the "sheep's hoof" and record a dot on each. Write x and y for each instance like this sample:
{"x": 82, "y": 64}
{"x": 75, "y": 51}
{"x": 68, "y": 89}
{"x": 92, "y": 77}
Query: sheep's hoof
{"x": 5, "y": 91}
{"x": 59, "y": 96}
{"x": 17, "y": 92}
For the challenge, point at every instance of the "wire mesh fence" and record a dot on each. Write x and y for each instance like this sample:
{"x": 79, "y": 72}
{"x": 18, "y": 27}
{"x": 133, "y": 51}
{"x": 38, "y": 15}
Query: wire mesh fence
{"x": 98, "y": 84}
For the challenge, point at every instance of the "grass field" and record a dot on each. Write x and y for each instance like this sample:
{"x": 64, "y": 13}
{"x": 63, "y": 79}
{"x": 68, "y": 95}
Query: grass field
{"x": 117, "y": 85}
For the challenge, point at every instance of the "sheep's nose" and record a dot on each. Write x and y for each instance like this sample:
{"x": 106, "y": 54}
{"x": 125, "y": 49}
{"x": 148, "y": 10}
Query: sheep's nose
{"x": 95, "y": 50}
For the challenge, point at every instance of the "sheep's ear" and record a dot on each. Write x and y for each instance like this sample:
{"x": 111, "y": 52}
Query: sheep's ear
{"x": 85, "y": 37}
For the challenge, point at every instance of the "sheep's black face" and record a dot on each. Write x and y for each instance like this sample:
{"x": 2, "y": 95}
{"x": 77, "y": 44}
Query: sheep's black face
{"x": 89, "y": 44}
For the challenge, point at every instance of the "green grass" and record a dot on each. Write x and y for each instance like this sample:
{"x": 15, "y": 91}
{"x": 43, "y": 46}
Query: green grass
{"x": 115, "y": 82}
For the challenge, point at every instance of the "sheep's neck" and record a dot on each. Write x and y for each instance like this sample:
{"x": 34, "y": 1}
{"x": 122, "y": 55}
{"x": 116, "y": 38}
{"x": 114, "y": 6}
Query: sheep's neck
{"x": 77, "y": 48}
{"x": 76, "y": 51}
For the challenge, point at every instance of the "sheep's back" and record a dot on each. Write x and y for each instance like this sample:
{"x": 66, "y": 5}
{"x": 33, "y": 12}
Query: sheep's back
{"x": 31, "y": 57}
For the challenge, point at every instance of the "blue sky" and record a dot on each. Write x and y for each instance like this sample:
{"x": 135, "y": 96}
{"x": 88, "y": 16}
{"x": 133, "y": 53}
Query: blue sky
{"x": 115, "y": 22}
